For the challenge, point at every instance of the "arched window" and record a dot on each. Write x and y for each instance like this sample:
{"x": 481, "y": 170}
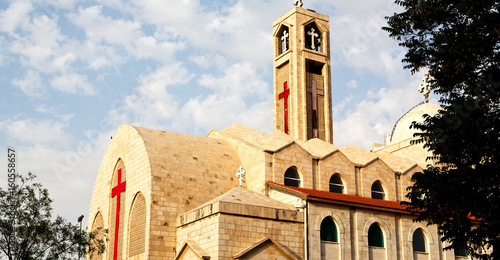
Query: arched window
{"x": 419, "y": 241}
{"x": 375, "y": 236}
{"x": 312, "y": 37}
{"x": 336, "y": 184}
{"x": 137, "y": 226}
{"x": 292, "y": 177}
{"x": 377, "y": 191}
{"x": 283, "y": 39}
{"x": 98, "y": 227}
{"x": 328, "y": 230}
{"x": 461, "y": 252}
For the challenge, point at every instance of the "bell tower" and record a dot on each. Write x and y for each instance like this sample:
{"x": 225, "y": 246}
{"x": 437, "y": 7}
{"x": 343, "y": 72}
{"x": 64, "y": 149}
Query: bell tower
{"x": 302, "y": 75}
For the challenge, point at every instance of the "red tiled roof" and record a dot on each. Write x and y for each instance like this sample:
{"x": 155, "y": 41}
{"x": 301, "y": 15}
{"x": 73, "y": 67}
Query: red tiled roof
{"x": 347, "y": 199}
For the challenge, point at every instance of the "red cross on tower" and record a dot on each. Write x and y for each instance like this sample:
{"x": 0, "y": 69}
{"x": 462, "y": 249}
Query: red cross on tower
{"x": 120, "y": 187}
{"x": 284, "y": 95}
{"x": 314, "y": 93}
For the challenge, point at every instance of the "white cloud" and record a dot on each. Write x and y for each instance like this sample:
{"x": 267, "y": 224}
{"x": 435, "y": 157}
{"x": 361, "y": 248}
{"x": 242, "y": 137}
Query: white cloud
{"x": 72, "y": 83}
{"x": 120, "y": 33}
{"x": 15, "y": 16}
{"x": 151, "y": 104}
{"x": 37, "y": 131}
{"x": 352, "y": 84}
{"x": 239, "y": 96}
{"x": 371, "y": 119}
{"x": 31, "y": 85}
{"x": 38, "y": 47}
{"x": 53, "y": 111}
{"x": 101, "y": 28}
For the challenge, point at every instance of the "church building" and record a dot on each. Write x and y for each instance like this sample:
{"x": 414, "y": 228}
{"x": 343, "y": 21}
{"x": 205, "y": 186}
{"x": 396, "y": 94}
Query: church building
{"x": 290, "y": 194}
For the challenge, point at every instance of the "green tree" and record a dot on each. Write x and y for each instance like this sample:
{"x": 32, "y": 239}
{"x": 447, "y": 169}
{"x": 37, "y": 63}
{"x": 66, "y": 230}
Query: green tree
{"x": 458, "y": 42}
{"x": 28, "y": 230}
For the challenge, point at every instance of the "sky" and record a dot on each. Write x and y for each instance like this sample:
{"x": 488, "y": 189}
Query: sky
{"x": 71, "y": 72}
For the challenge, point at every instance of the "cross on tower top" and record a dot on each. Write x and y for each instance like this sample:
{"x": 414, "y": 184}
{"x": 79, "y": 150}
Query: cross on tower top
{"x": 240, "y": 174}
{"x": 298, "y": 3}
{"x": 425, "y": 88}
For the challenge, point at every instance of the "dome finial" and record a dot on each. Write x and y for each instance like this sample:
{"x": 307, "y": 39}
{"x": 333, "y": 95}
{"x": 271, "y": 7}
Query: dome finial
{"x": 298, "y": 3}
{"x": 425, "y": 88}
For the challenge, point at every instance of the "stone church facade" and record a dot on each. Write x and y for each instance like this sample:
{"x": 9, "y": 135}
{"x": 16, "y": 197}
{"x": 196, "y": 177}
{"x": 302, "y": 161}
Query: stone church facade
{"x": 165, "y": 195}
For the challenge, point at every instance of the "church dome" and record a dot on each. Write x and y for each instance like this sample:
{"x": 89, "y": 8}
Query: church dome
{"x": 401, "y": 130}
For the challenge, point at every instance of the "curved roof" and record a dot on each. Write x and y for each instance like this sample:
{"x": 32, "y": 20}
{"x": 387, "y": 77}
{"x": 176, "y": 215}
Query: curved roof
{"x": 402, "y": 131}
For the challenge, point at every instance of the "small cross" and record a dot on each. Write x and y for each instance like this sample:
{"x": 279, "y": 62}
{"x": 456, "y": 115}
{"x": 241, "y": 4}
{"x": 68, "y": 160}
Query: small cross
{"x": 425, "y": 88}
{"x": 240, "y": 174}
{"x": 298, "y": 3}
{"x": 283, "y": 41}
{"x": 313, "y": 34}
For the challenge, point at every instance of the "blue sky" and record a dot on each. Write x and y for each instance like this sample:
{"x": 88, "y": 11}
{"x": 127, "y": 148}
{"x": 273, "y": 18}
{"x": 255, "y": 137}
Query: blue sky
{"x": 72, "y": 71}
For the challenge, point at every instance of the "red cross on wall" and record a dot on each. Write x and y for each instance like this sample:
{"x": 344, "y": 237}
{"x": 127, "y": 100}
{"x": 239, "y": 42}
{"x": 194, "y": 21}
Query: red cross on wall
{"x": 120, "y": 187}
{"x": 284, "y": 95}
{"x": 314, "y": 93}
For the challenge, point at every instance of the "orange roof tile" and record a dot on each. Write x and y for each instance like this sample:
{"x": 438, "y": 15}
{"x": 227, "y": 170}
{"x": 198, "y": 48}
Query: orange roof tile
{"x": 346, "y": 199}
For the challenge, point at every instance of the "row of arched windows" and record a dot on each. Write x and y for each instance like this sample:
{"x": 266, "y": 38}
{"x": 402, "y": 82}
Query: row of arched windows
{"x": 329, "y": 233}
{"x": 292, "y": 179}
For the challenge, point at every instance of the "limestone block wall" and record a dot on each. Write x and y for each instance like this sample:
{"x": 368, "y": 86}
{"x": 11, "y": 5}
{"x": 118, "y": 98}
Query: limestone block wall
{"x": 254, "y": 160}
{"x": 378, "y": 171}
{"x": 388, "y": 224}
{"x": 128, "y": 147}
{"x": 205, "y": 233}
{"x": 336, "y": 163}
{"x": 283, "y": 197}
{"x": 187, "y": 172}
{"x": 223, "y": 235}
{"x": 174, "y": 172}
{"x": 240, "y": 232}
{"x": 433, "y": 243}
{"x": 189, "y": 254}
{"x": 293, "y": 155}
{"x": 340, "y": 215}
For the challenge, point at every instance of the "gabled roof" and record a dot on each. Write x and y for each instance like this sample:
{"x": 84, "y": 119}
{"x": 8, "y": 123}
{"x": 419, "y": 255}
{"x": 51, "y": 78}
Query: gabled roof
{"x": 243, "y": 202}
{"x": 337, "y": 198}
{"x": 240, "y": 195}
{"x": 196, "y": 249}
{"x": 261, "y": 242}
{"x": 359, "y": 156}
{"x": 396, "y": 163}
{"x": 319, "y": 148}
{"x": 272, "y": 142}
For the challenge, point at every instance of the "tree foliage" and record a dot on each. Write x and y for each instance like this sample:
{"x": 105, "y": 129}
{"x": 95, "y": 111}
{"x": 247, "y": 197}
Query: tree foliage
{"x": 28, "y": 230}
{"x": 458, "y": 42}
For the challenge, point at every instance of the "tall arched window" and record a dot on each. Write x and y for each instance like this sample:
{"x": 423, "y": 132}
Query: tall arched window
{"x": 419, "y": 241}
{"x": 378, "y": 191}
{"x": 375, "y": 236}
{"x": 137, "y": 226}
{"x": 328, "y": 230}
{"x": 292, "y": 177}
{"x": 336, "y": 184}
{"x": 98, "y": 227}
